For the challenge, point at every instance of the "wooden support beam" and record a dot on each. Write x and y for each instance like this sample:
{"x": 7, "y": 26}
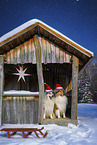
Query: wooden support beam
{"x": 75, "y": 69}
{"x": 38, "y": 52}
{"x": 1, "y": 85}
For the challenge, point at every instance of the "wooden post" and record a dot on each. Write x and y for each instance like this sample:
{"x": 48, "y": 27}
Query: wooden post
{"x": 38, "y": 51}
{"x": 1, "y": 86}
{"x": 75, "y": 68}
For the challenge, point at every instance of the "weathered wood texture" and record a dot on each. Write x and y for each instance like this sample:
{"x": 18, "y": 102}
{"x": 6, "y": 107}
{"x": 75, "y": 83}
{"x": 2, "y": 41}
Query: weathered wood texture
{"x": 1, "y": 86}
{"x": 63, "y": 122}
{"x": 75, "y": 69}
{"x": 25, "y": 53}
{"x": 22, "y": 110}
{"x": 38, "y": 52}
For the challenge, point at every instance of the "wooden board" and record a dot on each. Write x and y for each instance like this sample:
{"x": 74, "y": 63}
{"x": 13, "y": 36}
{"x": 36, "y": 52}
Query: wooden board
{"x": 38, "y": 51}
{"x": 1, "y": 85}
{"x": 63, "y": 122}
{"x": 75, "y": 69}
{"x": 22, "y": 110}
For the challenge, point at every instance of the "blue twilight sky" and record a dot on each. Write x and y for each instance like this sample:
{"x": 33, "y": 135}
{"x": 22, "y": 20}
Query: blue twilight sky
{"x": 76, "y": 19}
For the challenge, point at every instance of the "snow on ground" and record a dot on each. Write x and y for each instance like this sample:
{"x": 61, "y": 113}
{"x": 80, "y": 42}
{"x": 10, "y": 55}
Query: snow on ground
{"x": 83, "y": 134}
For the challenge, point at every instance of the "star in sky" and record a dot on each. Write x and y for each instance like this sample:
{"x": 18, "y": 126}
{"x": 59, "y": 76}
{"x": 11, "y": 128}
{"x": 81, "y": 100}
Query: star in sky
{"x": 21, "y": 73}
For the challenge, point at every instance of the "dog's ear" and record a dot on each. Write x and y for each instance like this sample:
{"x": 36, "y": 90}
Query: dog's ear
{"x": 47, "y": 93}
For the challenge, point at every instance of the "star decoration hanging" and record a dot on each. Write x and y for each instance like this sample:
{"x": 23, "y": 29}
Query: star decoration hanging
{"x": 21, "y": 73}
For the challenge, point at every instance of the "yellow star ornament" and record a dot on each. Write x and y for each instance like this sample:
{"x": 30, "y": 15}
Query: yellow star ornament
{"x": 21, "y": 73}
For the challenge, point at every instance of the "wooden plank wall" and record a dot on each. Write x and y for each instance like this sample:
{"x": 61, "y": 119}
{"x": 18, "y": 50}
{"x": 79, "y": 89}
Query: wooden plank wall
{"x": 22, "y": 110}
{"x": 25, "y": 53}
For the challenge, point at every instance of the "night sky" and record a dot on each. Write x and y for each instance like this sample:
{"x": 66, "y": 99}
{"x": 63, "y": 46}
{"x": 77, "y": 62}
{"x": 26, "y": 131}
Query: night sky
{"x": 77, "y": 19}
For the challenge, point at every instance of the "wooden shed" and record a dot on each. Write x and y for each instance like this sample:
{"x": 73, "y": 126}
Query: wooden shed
{"x": 47, "y": 56}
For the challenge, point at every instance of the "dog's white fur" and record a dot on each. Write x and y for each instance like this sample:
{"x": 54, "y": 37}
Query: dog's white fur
{"x": 61, "y": 103}
{"x": 48, "y": 106}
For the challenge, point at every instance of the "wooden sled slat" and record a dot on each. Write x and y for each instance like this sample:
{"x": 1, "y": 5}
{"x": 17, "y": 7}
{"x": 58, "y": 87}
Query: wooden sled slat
{"x": 23, "y": 130}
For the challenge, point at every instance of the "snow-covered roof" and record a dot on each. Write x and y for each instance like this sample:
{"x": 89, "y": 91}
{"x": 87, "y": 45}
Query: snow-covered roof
{"x": 19, "y": 29}
{"x": 34, "y": 22}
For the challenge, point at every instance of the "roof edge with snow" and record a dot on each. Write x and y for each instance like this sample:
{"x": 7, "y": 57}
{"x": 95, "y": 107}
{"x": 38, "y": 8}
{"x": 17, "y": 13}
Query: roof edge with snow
{"x": 34, "y": 22}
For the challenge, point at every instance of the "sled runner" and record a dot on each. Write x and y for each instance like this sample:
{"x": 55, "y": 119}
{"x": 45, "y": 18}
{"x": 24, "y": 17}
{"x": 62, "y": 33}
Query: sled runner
{"x": 23, "y": 130}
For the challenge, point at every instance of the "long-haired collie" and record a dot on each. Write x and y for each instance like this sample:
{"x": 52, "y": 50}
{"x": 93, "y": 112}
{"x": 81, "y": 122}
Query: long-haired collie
{"x": 60, "y": 104}
{"x": 48, "y": 105}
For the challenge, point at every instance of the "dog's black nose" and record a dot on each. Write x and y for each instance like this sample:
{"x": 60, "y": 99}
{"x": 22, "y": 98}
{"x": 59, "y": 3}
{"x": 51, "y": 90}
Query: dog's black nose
{"x": 50, "y": 97}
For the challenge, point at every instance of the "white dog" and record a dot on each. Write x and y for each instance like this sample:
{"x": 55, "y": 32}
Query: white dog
{"x": 48, "y": 105}
{"x": 60, "y": 104}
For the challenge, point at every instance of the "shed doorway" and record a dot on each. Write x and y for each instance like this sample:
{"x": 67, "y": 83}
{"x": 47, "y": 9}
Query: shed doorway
{"x": 59, "y": 74}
